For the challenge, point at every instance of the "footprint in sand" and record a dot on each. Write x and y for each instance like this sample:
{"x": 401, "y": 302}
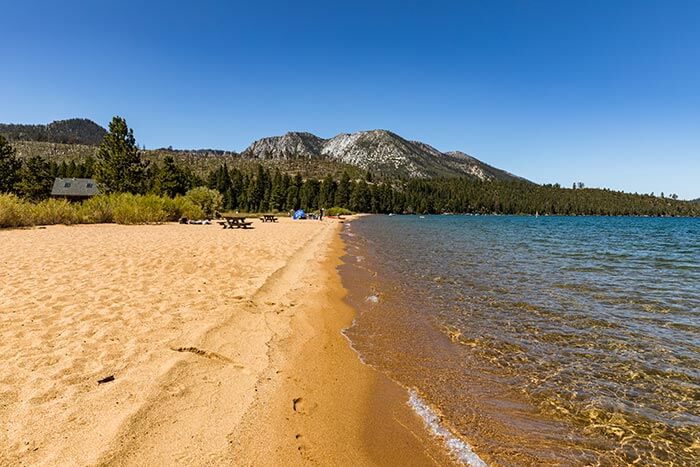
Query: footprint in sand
{"x": 300, "y": 406}
{"x": 303, "y": 447}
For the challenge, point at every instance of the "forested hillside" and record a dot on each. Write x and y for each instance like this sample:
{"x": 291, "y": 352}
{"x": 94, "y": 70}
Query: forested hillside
{"x": 288, "y": 183}
{"x": 72, "y": 131}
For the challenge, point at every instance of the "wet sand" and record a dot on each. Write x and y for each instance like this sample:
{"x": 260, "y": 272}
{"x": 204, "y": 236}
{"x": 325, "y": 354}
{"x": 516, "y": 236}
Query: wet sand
{"x": 225, "y": 348}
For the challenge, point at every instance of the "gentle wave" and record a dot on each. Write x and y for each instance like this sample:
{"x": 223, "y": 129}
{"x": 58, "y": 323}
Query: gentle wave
{"x": 459, "y": 448}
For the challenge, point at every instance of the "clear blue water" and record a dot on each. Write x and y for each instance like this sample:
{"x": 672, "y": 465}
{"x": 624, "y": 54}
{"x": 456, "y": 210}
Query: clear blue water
{"x": 550, "y": 340}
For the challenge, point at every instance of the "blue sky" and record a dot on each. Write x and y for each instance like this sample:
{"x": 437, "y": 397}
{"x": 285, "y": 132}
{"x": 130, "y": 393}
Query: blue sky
{"x": 604, "y": 92}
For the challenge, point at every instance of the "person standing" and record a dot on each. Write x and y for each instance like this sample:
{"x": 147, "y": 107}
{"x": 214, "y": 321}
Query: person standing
{"x": 320, "y": 214}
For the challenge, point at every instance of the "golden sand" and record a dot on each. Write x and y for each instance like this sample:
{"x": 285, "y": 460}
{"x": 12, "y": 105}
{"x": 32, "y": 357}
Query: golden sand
{"x": 225, "y": 348}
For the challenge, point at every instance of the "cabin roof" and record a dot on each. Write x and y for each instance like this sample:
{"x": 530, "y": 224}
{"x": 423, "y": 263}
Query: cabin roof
{"x": 74, "y": 187}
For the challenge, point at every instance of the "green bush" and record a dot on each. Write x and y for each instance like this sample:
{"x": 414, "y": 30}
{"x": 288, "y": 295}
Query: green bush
{"x": 336, "y": 211}
{"x": 122, "y": 208}
{"x": 207, "y": 199}
{"x": 55, "y": 211}
{"x": 97, "y": 210}
{"x": 138, "y": 209}
{"x": 185, "y": 207}
{"x": 14, "y": 212}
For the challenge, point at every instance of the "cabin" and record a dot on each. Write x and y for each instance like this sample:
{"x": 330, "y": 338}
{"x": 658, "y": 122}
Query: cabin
{"x": 74, "y": 189}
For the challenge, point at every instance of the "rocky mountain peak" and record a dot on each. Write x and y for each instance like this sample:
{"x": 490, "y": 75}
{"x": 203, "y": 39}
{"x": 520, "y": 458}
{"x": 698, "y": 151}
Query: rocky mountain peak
{"x": 380, "y": 151}
{"x": 292, "y": 145}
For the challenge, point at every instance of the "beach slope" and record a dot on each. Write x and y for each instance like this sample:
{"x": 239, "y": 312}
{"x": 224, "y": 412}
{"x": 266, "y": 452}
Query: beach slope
{"x": 224, "y": 348}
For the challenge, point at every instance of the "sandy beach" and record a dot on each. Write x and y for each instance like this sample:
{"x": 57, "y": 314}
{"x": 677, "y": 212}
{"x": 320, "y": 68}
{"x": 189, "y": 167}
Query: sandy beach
{"x": 224, "y": 346}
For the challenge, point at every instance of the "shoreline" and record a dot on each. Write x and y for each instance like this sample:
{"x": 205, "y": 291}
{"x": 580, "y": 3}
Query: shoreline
{"x": 216, "y": 360}
{"x": 337, "y": 409}
{"x": 364, "y": 292}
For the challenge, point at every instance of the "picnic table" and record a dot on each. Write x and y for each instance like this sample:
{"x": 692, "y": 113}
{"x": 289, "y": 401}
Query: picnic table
{"x": 234, "y": 222}
{"x": 268, "y": 218}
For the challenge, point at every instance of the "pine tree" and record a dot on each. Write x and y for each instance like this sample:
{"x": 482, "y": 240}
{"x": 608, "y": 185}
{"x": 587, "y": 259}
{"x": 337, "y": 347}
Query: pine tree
{"x": 309, "y": 195}
{"x": 256, "y": 191}
{"x": 292, "y": 203}
{"x": 35, "y": 180}
{"x": 170, "y": 180}
{"x": 326, "y": 195}
{"x": 360, "y": 199}
{"x": 278, "y": 192}
{"x": 236, "y": 189}
{"x": 9, "y": 166}
{"x": 73, "y": 170}
{"x": 119, "y": 167}
{"x": 342, "y": 194}
{"x": 86, "y": 168}
{"x": 63, "y": 170}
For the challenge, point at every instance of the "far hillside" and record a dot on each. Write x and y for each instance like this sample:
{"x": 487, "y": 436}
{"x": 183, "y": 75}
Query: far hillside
{"x": 200, "y": 161}
{"x": 72, "y": 131}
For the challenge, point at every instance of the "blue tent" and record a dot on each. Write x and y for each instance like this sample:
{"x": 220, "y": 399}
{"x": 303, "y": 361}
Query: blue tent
{"x": 300, "y": 214}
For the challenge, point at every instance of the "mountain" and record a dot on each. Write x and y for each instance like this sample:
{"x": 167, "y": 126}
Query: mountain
{"x": 72, "y": 131}
{"x": 385, "y": 154}
{"x": 293, "y": 145}
{"x": 379, "y": 151}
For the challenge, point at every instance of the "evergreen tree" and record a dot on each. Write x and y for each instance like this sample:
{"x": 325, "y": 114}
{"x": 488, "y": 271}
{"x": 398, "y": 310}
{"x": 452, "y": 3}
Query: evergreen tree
{"x": 458, "y": 195}
{"x": 119, "y": 167}
{"x": 267, "y": 190}
{"x": 88, "y": 167}
{"x": 342, "y": 194}
{"x": 73, "y": 170}
{"x": 220, "y": 180}
{"x": 360, "y": 199}
{"x": 292, "y": 203}
{"x": 35, "y": 180}
{"x": 309, "y": 195}
{"x": 170, "y": 180}
{"x": 9, "y": 166}
{"x": 236, "y": 189}
{"x": 326, "y": 195}
{"x": 279, "y": 193}
{"x": 63, "y": 170}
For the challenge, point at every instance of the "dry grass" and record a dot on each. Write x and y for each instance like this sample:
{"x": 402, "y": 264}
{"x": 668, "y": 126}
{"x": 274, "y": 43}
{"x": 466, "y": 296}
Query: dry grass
{"x": 120, "y": 208}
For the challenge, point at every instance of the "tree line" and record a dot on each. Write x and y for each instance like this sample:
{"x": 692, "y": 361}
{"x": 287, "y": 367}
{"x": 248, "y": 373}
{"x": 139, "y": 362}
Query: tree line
{"x": 119, "y": 168}
{"x": 72, "y": 131}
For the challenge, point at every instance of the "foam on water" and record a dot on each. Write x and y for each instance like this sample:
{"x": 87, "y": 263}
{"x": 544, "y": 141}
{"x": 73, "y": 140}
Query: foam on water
{"x": 344, "y": 332}
{"x": 460, "y": 449}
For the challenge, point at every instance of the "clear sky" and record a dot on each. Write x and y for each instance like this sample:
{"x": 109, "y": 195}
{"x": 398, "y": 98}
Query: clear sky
{"x": 604, "y": 92}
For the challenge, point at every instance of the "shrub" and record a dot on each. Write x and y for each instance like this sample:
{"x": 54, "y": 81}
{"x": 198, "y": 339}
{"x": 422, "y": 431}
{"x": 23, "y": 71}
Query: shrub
{"x": 55, "y": 211}
{"x": 185, "y": 207}
{"x": 97, "y": 210}
{"x": 138, "y": 209}
{"x": 207, "y": 199}
{"x": 122, "y": 208}
{"x": 14, "y": 212}
{"x": 336, "y": 211}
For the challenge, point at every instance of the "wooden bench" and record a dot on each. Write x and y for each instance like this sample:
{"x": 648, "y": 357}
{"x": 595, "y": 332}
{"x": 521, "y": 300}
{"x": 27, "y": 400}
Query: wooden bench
{"x": 238, "y": 222}
{"x": 268, "y": 218}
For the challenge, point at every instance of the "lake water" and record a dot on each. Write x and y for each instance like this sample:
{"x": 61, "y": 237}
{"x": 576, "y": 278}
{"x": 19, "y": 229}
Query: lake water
{"x": 536, "y": 341}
